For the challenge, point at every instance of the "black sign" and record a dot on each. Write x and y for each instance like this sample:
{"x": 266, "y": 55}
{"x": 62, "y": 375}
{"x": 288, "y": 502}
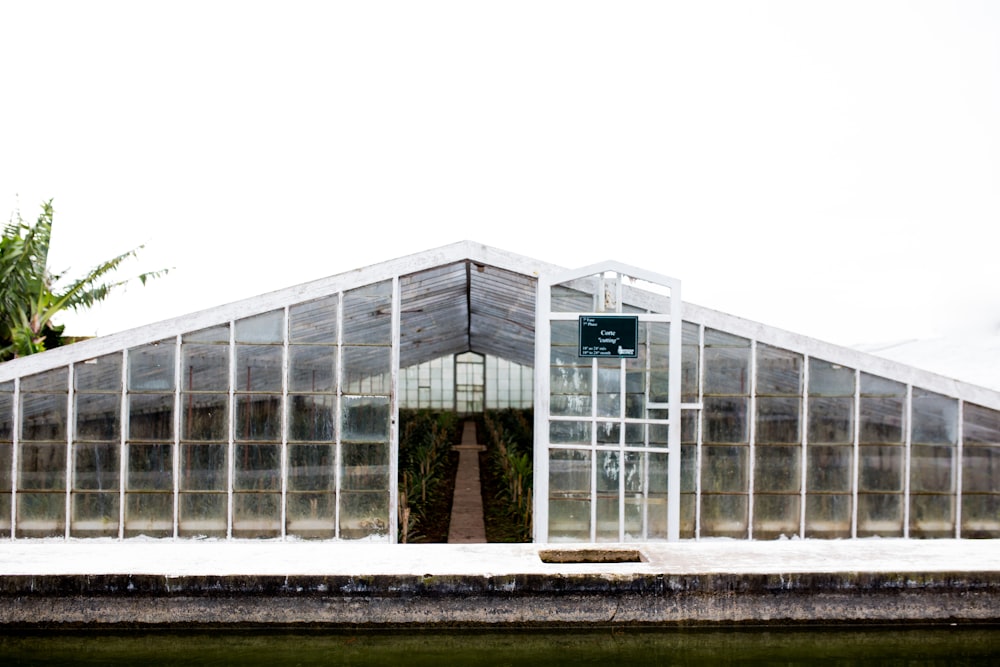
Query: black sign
{"x": 609, "y": 335}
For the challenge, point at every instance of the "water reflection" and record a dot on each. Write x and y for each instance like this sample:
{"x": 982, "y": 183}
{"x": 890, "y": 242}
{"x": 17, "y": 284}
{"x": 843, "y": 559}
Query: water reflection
{"x": 835, "y": 647}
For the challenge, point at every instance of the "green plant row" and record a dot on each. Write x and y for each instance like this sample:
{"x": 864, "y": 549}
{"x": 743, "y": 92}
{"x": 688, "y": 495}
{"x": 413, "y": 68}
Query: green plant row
{"x": 510, "y": 447}
{"x": 426, "y": 473}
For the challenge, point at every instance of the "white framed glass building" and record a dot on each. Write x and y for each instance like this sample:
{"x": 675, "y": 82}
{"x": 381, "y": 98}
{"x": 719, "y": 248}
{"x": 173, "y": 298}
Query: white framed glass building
{"x": 275, "y": 417}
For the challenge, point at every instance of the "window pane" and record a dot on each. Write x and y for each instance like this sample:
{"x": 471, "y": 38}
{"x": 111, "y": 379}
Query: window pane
{"x": 151, "y": 417}
{"x": 94, "y": 515}
{"x": 206, "y": 367}
{"x": 724, "y": 516}
{"x": 881, "y": 468}
{"x": 777, "y": 469}
{"x": 101, "y": 374}
{"x": 98, "y": 417}
{"x": 257, "y": 468}
{"x": 365, "y": 467}
{"x": 258, "y": 368}
{"x": 150, "y": 468}
{"x": 778, "y": 420}
{"x": 881, "y": 419}
{"x": 311, "y": 468}
{"x": 312, "y": 368}
{"x": 315, "y": 321}
{"x": 726, "y": 420}
{"x": 204, "y": 468}
{"x": 96, "y": 467}
{"x": 311, "y": 418}
{"x": 935, "y": 418}
{"x": 43, "y": 417}
{"x": 775, "y": 516}
{"x": 828, "y": 515}
{"x": 932, "y": 469}
{"x": 55, "y": 380}
{"x": 151, "y": 367}
{"x": 779, "y": 372}
{"x": 203, "y": 514}
{"x": 258, "y": 418}
{"x": 727, "y": 370}
{"x": 827, "y": 379}
{"x": 265, "y": 328}
{"x": 724, "y": 469}
{"x": 880, "y": 514}
{"x": 365, "y": 419}
{"x": 831, "y": 420}
{"x": 364, "y": 515}
{"x": 829, "y": 468}
{"x": 149, "y": 514}
{"x": 42, "y": 467}
{"x": 368, "y": 315}
{"x": 256, "y": 515}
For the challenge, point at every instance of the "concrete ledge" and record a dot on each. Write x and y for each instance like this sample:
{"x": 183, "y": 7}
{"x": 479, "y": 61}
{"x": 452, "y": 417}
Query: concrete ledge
{"x": 497, "y": 601}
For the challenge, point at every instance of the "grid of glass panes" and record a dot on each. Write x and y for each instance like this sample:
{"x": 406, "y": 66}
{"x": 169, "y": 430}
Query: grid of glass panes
{"x": 830, "y": 450}
{"x": 980, "y": 498}
{"x": 508, "y": 384}
{"x": 95, "y": 495}
{"x": 6, "y": 456}
{"x": 933, "y": 464}
{"x": 777, "y": 448}
{"x": 881, "y": 457}
{"x": 429, "y": 385}
{"x": 608, "y": 439}
{"x": 725, "y": 451}
{"x": 41, "y": 461}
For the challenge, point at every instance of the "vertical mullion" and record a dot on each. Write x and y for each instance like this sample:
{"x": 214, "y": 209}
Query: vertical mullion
{"x": 70, "y": 428}
{"x": 959, "y": 451}
{"x": 621, "y": 449}
{"x": 804, "y": 425}
{"x": 752, "y": 436}
{"x": 283, "y": 457}
{"x": 908, "y": 445}
{"x": 15, "y": 455}
{"x": 231, "y": 431}
{"x": 337, "y": 398}
{"x": 123, "y": 445}
{"x": 178, "y": 376}
{"x": 593, "y": 449}
{"x": 856, "y": 463}
{"x": 394, "y": 414}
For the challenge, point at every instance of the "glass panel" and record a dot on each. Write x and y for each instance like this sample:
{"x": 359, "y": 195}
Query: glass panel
{"x": 981, "y": 469}
{"x": 777, "y": 469}
{"x": 981, "y": 516}
{"x": 100, "y": 374}
{"x": 982, "y": 425}
{"x": 829, "y": 468}
{"x": 828, "y": 379}
{"x": 257, "y": 468}
{"x": 205, "y": 417}
{"x": 311, "y": 418}
{"x": 368, "y": 315}
{"x": 311, "y": 515}
{"x": 569, "y": 472}
{"x": 831, "y": 420}
{"x": 216, "y": 334}
{"x": 828, "y": 516}
{"x": 727, "y": 370}
{"x": 204, "y": 468}
{"x": 778, "y": 420}
{"x": 42, "y": 467}
{"x": 206, "y": 367}
{"x": 569, "y": 433}
{"x": 256, "y": 515}
{"x": 880, "y": 514}
{"x": 364, "y": 515}
{"x": 775, "y": 516}
{"x": 364, "y": 467}
{"x": 96, "y": 467}
{"x": 258, "y": 418}
{"x": 724, "y": 469}
{"x": 932, "y": 516}
{"x": 779, "y": 372}
{"x": 570, "y": 406}
{"x": 726, "y": 420}
{"x": 311, "y": 468}
{"x": 567, "y": 300}
{"x": 881, "y": 468}
{"x": 151, "y": 367}
{"x": 55, "y": 380}
{"x": 41, "y": 515}
{"x": 312, "y": 368}
{"x": 881, "y": 419}
{"x": 265, "y": 328}
{"x": 98, "y": 417}
{"x": 43, "y": 417}
{"x": 150, "y": 467}
{"x": 6, "y": 461}
{"x": 366, "y": 369}
{"x": 314, "y": 321}
{"x": 202, "y": 514}
{"x": 935, "y": 418}
{"x": 149, "y": 514}
{"x": 94, "y": 515}
{"x": 151, "y": 417}
{"x": 932, "y": 469}
{"x": 365, "y": 419}
{"x": 724, "y": 516}
{"x": 258, "y": 368}
{"x": 6, "y": 417}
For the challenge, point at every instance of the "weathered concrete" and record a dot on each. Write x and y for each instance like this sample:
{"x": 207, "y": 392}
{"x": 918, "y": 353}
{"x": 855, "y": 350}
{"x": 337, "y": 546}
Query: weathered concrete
{"x": 178, "y": 584}
{"x": 497, "y": 601}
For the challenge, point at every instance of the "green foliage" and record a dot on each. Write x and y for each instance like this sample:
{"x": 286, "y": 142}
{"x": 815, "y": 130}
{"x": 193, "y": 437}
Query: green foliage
{"x": 426, "y": 474}
{"x": 510, "y": 449}
{"x": 31, "y": 295}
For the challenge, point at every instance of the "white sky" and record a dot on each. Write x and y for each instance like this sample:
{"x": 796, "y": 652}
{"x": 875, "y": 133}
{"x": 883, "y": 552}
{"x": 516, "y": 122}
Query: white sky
{"x": 832, "y": 168}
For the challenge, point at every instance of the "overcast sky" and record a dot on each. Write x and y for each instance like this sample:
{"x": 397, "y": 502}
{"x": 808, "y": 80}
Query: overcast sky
{"x": 832, "y": 168}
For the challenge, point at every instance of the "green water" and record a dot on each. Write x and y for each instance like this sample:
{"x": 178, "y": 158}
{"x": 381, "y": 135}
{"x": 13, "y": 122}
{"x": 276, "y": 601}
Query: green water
{"x": 912, "y": 647}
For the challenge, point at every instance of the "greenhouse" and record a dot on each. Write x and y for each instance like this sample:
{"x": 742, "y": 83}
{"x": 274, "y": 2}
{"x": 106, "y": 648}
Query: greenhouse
{"x": 654, "y": 419}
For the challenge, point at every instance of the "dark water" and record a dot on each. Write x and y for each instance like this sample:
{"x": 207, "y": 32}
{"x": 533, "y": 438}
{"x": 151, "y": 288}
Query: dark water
{"x": 911, "y": 647}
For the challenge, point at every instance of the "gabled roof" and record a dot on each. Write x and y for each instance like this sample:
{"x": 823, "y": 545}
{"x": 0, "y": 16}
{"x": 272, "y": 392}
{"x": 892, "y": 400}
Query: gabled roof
{"x": 470, "y": 297}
